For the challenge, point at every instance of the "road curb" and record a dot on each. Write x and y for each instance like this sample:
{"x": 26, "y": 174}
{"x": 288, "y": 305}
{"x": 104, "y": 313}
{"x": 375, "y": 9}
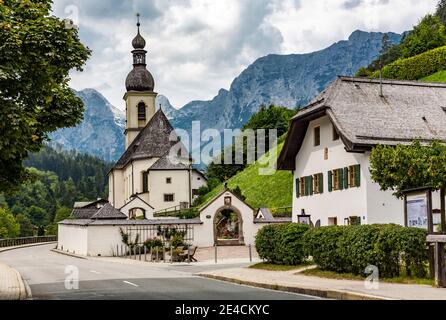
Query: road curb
{"x": 26, "y": 246}
{"x": 68, "y": 254}
{"x": 12, "y": 286}
{"x": 22, "y": 291}
{"x": 328, "y": 294}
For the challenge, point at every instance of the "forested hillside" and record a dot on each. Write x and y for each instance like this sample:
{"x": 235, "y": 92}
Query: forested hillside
{"x": 60, "y": 179}
{"x": 421, "y": 55}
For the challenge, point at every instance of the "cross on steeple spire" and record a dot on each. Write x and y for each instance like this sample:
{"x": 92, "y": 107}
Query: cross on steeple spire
{"x": 138, "y": 23}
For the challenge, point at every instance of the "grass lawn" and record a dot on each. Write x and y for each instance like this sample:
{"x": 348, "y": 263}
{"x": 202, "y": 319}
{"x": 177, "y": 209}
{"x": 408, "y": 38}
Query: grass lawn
{"x": 348, "y": 276}
{"x": 270, "y": 191}
{"x": 440, "y": 76}
{"x": 278, "y": 267}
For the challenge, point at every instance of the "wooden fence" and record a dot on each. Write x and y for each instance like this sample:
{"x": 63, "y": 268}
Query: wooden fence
{"x": 26, "y": 240}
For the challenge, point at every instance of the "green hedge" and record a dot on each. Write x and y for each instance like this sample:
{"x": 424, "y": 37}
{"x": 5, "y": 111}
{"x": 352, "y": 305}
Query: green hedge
{"x": 347, "y": 249}
{"x": 352, "y": 248}
{"x": 416, "y": 67}
{"x": 321, "y": 244}
{"x": 282, "y": 243}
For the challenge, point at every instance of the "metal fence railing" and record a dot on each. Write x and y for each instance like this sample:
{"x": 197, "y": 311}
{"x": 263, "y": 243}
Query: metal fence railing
{"x": 25, "y": 240}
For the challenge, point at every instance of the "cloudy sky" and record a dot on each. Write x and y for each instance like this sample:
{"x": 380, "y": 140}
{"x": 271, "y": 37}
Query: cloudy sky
{"x": 197, "y": 47}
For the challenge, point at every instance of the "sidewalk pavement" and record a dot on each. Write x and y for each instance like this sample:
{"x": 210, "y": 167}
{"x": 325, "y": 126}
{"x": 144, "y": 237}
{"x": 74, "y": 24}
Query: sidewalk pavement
{"x": 292, "y": 281}
{"x": 12, "y": 286}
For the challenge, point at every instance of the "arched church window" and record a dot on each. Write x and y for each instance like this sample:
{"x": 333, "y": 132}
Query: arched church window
{"x": 141, "y": 111}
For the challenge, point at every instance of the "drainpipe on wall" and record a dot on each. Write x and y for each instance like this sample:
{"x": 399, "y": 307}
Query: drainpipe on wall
{"x": 113, "y": 186}
{"x": 133, "y": 182}
{"x": 190, "y": 186}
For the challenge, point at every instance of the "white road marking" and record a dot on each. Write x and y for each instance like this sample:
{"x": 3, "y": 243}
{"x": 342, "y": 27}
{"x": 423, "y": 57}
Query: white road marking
{"x": 94, "y": 271}
{"x": 130, "y": 283}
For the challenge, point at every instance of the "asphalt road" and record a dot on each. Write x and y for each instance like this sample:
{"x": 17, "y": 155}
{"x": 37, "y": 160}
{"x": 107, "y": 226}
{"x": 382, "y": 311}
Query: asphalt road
{"x": 49, "y": 276}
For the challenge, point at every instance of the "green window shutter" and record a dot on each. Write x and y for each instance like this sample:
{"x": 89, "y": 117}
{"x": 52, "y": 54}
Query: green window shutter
{"x": 330, "y": 181}
{"x": 358, "y": 175}
{"x": 306, "y": 185}
{"x": 311, "y": 185}
{"x": 321, "y": 183}
{"x": 345, "y": 178}
{"x": 340, "y": 184}
{"x": 297, "y": 187}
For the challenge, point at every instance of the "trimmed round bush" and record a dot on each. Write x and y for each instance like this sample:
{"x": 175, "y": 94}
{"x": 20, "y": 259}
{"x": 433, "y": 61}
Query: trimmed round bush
{"x": 266, "y": 242}
{"x": 290, "y": 247}
{"x": 281, "y": 243}
{"x": 414, "y": 251}
{"x": 387, "y": 250}
{"x": 356, "y": 247}
{"x": 322, "y": 245}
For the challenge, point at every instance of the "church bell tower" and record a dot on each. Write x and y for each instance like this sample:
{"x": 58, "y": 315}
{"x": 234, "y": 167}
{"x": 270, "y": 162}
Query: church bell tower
{"x": 140, "y": 97}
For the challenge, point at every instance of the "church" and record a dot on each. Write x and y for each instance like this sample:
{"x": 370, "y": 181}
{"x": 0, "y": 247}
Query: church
{"x": 152, "y": 174}
{"x": 151, "y": 184}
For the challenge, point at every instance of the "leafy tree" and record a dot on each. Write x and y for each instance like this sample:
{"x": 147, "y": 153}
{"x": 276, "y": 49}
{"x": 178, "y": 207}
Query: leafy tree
{"x": 401, "y": 167}
{"x": 388, "y": 54}
{"x": 26, "y": 226}
{"x": 272, "y": 117}
{"x": 428, "y": 34}
{"x": 9, "y": 228}
{"x": 441, "y": 11}
{"x": 39, "y": 216}
{"x": 238, "y": 192}
{"x": 62, "y": 213}
{"x": 37, "y": 52}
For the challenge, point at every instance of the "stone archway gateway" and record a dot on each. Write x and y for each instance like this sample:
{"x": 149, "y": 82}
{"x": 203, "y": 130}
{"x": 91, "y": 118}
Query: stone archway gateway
{"x": 137, "y": 213}
{"x": 228, "y": 226}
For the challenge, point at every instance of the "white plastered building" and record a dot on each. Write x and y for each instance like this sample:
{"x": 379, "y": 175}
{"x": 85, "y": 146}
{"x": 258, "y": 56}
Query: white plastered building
{"x": 329, "y": 143}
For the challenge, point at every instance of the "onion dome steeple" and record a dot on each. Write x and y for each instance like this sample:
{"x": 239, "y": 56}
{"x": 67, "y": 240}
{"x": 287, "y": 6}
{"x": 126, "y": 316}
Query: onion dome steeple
{"x": 139, "y": 79}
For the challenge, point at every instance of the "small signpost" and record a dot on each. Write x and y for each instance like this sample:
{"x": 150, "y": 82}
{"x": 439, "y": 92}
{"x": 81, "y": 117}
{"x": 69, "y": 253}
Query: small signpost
{"x": 304, "y": 218}
{"x": 418, "y": 213}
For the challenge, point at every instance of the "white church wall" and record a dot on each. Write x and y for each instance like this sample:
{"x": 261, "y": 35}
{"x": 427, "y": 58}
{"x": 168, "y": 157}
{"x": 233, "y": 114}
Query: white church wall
{"x": 72, "y": 239}
{"x": 197, "y": 180}
{"x": 158, "y": 187}
{"x": 140, "y": 166}
{"x": 137, "y": 202}
{"x": 116, "y": 188}
{"x": 103, "y": 240}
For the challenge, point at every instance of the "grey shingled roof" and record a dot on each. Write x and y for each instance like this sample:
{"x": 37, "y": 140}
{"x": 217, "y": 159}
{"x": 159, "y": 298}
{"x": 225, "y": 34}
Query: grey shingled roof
{"x": 108, "y": 212}
{"x": 151, "y": 142}
{"x": 408, "y": 110}
{"x": 266, "y": 213}
{"x": 164, "y": 163}
{"x": 273, "y": 220}
{"x": 83, "y": 213}
{"x": 107, "y": 222}
{"x": 269, "y": 218}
